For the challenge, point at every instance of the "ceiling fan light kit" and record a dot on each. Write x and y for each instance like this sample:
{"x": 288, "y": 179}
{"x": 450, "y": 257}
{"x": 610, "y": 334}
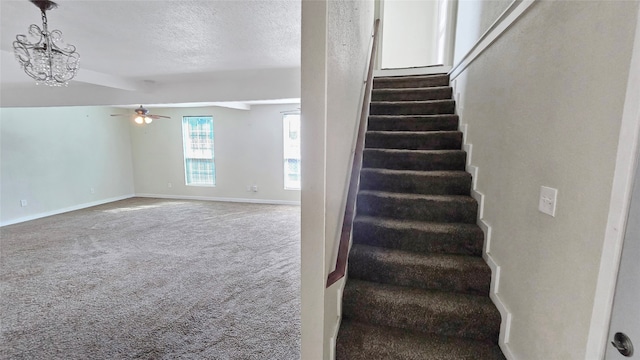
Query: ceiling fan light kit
{"x": 43, "y": 55}
{"x": 143, "y": 116}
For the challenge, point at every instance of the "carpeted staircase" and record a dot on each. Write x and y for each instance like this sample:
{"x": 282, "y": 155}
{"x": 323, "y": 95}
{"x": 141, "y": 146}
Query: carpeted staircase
{"x": 417, "y": 285}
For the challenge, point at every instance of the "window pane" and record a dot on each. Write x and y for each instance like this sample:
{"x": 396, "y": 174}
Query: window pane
{"x": 291, "y": 130}
{"x": 199, "y": 166}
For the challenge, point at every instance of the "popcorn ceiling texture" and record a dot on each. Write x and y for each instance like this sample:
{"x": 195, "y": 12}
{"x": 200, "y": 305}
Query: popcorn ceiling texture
{"x": 153, "y": 279}
{"x": 151, "y": 38}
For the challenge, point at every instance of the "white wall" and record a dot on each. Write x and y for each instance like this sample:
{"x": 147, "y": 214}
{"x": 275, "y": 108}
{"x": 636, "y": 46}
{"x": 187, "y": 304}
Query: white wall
{"x": 248, "y": 150}
{"x": 259, "y": 84}
{"x": 409, "y": 36}
{"x": 473, "y": 20}
{"x": 543, "y": 106}
{"x": 335, "y": 46}
{"x": 53, "y": 157}
{"x": 351, "y": 23}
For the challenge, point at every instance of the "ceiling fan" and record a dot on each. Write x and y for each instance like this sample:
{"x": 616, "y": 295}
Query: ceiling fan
{"x": 143, "y": 116}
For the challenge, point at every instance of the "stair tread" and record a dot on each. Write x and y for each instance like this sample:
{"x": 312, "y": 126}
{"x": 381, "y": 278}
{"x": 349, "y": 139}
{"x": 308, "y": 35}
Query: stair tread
{"x": 416, "y": 133}
{"x": 360, "y": 341}
{"x": 407, "y": 77}
{"x": 434, "y": 303}
{"x": 440, "y": 260}
{"x": 430, "y": 88}
{"x": 409, "y": 102}
{"x": 415, "y": 224}
{"x": 443, "y": 151}
{"x": 467, "y": 274}
{"x": 417, "y": 116}
{"x": 387, "y": 194}
{"x": 434, "y": 173}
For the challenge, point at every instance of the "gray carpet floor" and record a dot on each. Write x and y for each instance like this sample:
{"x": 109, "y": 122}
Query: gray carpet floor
{"x": 153, "y": 279}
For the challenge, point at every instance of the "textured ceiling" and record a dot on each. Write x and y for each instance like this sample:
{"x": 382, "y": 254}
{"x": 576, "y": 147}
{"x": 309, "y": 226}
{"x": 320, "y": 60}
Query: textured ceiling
{"x": 151, "y": 40}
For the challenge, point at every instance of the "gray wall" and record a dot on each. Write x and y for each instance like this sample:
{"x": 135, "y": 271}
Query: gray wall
{"x": 543, "y": 106}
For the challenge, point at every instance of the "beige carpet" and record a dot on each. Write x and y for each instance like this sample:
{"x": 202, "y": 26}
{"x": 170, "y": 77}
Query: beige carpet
{"x": 153, "y": 279}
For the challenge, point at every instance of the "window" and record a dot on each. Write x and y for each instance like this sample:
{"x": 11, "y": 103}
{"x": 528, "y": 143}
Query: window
{"x": 197, "y": 137}
{"x": 291, "y": 126}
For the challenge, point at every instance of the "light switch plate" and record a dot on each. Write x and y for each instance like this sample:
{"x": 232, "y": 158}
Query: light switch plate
{"x": 548, "y": 199}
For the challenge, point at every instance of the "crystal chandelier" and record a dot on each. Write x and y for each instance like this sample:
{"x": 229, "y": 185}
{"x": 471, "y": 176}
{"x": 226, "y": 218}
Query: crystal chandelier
{"x": 43, "y": 55}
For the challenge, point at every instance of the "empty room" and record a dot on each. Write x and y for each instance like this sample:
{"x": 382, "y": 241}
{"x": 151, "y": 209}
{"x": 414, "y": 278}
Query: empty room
{"x": 150, "y": 188}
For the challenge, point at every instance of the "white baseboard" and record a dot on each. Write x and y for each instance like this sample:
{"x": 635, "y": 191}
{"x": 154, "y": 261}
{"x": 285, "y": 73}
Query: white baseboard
{"x": 427, "y": 70}
{"x": 494, "y": 293}
{"x": 224, "y": 199}
{"x": 64, "y": 210}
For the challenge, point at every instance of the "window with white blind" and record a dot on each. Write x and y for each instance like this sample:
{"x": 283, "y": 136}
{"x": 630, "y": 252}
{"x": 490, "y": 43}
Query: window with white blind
{"x": 197, "y": 137}
{"x": 291, "y": 127}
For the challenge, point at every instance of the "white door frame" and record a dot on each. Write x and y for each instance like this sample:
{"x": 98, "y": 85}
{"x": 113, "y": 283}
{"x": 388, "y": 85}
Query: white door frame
{"x": 624, "y": 173}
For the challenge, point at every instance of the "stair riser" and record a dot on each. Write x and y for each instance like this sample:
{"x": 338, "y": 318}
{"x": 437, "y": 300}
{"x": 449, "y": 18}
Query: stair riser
{"x": 412, "y": 108}
{"x": 470, "y": 279}
{"x": 417, "y": 161}
{"x": 410, "y": 82}
{"x": 366, "y": 307}
{"x": 417, "y": 209}
{"x": 462, "y": 241}
{"x": 415, "y": 184}
{"x": 445, "y": 122}
{"x": 436, "y": 141}
{"x": 411, "y": 94}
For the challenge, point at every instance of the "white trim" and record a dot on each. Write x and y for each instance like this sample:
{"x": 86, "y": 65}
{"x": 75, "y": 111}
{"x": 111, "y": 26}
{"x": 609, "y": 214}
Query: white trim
{"x": 223, "y": 199}
{"x": 427, "y": 70}
{"x": 626, "y": 160}
{"x": 504, "y": 22}
{"x": 65, "y": 209}
{"x": 494, "y": 293}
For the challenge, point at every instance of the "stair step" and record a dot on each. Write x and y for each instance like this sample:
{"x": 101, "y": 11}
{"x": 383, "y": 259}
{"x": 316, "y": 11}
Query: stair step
{"x": 444, "y": 272}
{"x": 361, "y": 341}
{"x": 411, "y": 81}
{"x": 441, "y": 122}
{"x": 416, "y": 182}
{"x": 442, "y": 313}
{"x": 434, "y": 208}
{"x": 418, "y": 236}
{"x": 429, "y": 107}
{"x": 425, "y": 160}
{"x": 413, "y": 140}
{"x": 412, "y": 94}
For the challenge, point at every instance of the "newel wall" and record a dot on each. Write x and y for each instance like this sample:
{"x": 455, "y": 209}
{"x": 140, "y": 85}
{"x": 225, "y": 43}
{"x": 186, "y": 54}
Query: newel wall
{"x": 336, "y": 38}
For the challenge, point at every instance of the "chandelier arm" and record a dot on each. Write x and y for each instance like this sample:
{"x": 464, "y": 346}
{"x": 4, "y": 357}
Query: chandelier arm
{"x": 44, "y": 56}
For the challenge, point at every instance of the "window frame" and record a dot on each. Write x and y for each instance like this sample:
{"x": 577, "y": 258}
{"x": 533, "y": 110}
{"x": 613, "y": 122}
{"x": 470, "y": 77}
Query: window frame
{"x": 185, "y": 150}
{"x": 285, "y": 138}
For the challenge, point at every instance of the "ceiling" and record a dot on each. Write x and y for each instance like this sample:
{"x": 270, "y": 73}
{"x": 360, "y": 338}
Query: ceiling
{"x": 137, "y": 47}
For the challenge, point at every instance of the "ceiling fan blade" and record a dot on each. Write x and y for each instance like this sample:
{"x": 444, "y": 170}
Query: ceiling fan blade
{"x": 159, "y": 116}
{"x": 119, "y": 115}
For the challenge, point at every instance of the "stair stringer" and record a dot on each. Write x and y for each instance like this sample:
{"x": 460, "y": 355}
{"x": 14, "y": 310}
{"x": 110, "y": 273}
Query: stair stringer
{"x": 494, "y": 292}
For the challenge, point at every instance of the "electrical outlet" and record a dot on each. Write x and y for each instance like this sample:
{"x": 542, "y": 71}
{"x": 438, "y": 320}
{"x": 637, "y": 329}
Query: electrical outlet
{"x": 254, "y": 188}
{"x": 548, "y": 199}
{"x": 23, "y": 203}
{"x": 248, "y": 187}
{"x": 93, "y": 191}
{"x": 169, "y": 185}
